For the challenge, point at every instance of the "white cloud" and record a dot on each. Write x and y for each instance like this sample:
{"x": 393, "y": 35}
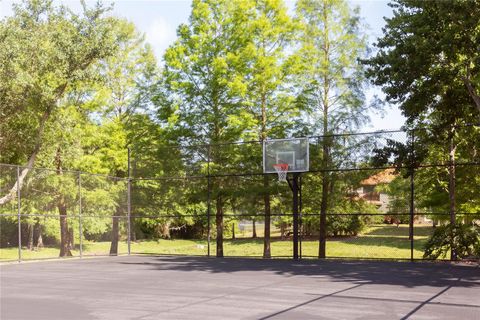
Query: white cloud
{"x": 160, "y": 34}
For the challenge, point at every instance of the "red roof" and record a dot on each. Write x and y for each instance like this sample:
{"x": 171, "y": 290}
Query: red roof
{"x": 385, "y": 176}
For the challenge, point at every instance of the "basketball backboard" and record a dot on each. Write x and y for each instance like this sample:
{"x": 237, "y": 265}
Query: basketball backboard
{"x": 293, "y": 151}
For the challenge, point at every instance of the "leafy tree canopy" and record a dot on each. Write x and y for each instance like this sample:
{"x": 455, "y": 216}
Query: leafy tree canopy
{"x": 429, "y": 59}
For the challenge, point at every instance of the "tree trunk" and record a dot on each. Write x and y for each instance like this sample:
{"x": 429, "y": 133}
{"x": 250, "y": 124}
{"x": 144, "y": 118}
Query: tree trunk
{"x": 324, "y": 203}
{"x": 62, "y": 211}
{"x": 115, "y": 231}
{"x": 71, "y": 238}
{"x": 254, "y": 229}
{"x": 114, "y": 243}
{"x": 266, "y": 238}
{"x": 30, "y": 236}
{"x": 233, "y": 231}
{"x": 266, "y": 196}
{"x": 133, "y": 234}
{"x": 219, "y": 223}
{"x": 451, "y": 189}
{"x": 165, "y": 230}
{"x": 308, "y": 228}
{"x": 64, "y": 237}
{"x": 39, "y": 232}
{"x": 325, "y": 103}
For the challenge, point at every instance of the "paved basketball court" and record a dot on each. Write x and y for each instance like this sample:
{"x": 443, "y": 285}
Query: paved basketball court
{"x": 145, "y": 287}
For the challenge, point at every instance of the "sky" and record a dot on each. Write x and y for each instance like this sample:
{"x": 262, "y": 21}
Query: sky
{"x": 159, "y": 19}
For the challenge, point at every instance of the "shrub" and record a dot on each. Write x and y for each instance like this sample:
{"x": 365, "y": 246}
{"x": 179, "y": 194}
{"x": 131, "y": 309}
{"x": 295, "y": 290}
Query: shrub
{"x": 347, "y": 225}
{"x": 8, "y": 232}
{"x": 465, "y": 239}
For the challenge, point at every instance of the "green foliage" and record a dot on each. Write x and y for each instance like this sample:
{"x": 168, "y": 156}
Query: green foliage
{"x": 201, "y": 74}
{"x": 268, "y": 70}
{"x": 330, "y": 82}
{"x": 70, "y": 86}
{"x": 431, "y": 146}
{"x": 47, "y": 51}
{"x": 77, "y": 90}
{"x": 463, "y": 238}
{"x": 428, "y": 59}
{"x": 349, "y": 221}
{"x": 346, "y": 215}
{"x": 429, "y": 63}
{"x": 330, "y": 79}
{"x": 9, "y": 227}
{"x": 398, "y": 191}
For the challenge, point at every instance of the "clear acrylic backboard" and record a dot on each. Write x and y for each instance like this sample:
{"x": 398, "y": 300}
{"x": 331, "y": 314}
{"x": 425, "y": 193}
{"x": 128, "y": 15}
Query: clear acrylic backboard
{"x": 293, "y": 151}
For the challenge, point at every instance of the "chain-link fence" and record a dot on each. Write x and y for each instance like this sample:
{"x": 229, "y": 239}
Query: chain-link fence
{"x": 50, "y": 213}
{"x": 382, "y": 194}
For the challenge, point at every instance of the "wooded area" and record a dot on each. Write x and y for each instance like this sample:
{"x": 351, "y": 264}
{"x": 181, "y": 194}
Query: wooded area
{"x": 83, "y": 92}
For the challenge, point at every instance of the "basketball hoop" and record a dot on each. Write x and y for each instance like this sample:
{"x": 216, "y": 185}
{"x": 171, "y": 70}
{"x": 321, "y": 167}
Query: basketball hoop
{"x": 282, "y": 170}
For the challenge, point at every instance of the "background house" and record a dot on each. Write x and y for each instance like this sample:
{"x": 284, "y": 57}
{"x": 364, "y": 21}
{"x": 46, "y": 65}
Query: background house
{"x": 371, "y": 194}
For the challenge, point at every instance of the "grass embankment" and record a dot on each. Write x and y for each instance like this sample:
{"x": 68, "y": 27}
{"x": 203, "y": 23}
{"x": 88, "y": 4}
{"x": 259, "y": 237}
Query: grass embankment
{"x": 377, "y": 241}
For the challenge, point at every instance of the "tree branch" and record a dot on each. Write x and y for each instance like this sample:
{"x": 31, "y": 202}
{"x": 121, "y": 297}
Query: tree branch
{"x": 13, "y": 191}
{"x": 471, "y": 90}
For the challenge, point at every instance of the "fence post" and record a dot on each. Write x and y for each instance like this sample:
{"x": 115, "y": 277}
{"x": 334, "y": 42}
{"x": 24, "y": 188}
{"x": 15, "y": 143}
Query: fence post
{"x": 80, "y": 227}
{"x": 19, "y": 204}
{"x": 452, "y": 189}
{"x": 208, "y": 202}
{"x": 300, "y": 222}
{"x": 129, "y": 182}
{"x": 412, "y": 191}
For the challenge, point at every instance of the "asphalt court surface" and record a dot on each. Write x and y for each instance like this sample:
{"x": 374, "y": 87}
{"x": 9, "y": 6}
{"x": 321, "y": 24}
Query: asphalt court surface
{"x": 166, "y": 287}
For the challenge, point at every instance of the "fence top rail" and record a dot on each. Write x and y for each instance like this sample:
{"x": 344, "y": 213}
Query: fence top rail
{"x": 63, "y": 171}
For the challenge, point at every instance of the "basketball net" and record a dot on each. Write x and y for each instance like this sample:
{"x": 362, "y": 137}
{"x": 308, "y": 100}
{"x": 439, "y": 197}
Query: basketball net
{"x": 282, "y": 170}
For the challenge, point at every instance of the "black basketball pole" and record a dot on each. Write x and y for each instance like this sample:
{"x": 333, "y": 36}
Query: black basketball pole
{"x": 209, "y": 187}
{"x": 300, "y": 221}
{"x": 294, "y": 187}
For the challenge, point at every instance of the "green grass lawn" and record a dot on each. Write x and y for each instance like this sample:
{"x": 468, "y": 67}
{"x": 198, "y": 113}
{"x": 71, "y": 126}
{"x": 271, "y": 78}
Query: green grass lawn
{"x": 377, "y": 241}
{"x": 89, "y": 248}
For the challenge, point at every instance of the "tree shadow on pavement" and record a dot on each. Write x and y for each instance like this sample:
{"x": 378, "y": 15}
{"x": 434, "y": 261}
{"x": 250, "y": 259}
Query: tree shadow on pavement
{"x": 405, "y": 274}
